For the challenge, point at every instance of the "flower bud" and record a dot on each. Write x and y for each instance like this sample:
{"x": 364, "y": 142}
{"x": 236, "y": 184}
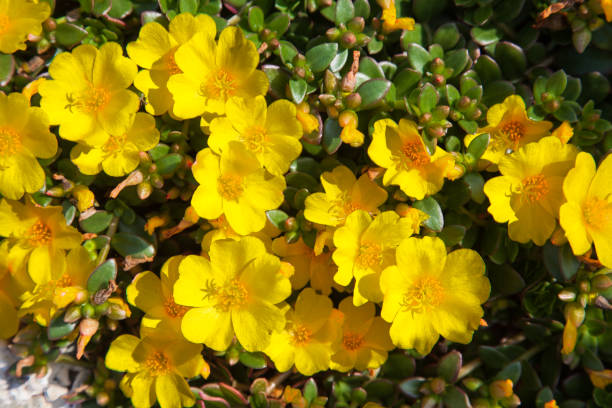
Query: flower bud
{"x": 348, "y": 39}
{"x": 464, "y": 102}
{"x": 437, "y": 385}
{"x": 567, "y": 295}
{"x": 601, "y": 282}
{"x": 356, "y": 24}
{"x": 353, "y": 100}
{"x": 327, "y": 99}
{"x": 436, "y": 131}
{"x": 116, "y": 312}
{"x": 437, "y": 65}
{"x": 144, "y": 190}
{"x": 472, "y": 384}
{"x": 501, "y": 389}
{"x": 333, "y": 34}
{"x": 347, "y": 118}
{"x": 73, "y": 313}
{"x": 87, "y": 310}
{"x": 438, "y": 80}
{"x": 574, "y": 313}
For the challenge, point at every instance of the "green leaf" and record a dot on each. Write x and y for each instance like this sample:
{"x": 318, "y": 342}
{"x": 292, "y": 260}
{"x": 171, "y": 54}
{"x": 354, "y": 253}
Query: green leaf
{"x": 97, "y": 222}
{"x": 511, "y": 58}
{"x": 128, "y": 244}
{"x": 412, "y": 37}
{"x": 7, "y": 68}
{"x": 331, "y": 136}
{"x": 279, "y": 79}
{"x": 447, "y": 35}
{"x": 556, "y": 83}
{"x": 573, "y": 89}
{"x": 168, "y": 163}
{"x": 595, "y": 86}
{"x": 505, "y": 279}
{"x": 475, "y": 182}
{"x": 496, "y": 92}
{"x": 319, "y": 57}
{"x": 298, "y": 89}
{"x": 560, "y": 261}
{"x": 418, "y": 57}
{"x": 454, "y": 397}
{"x": 256, "y": 19}
{"x": 485, "y": 36}
{"x": 256, "y": 360}
{"x": 287, "y": 52}
{"x": 344, "y": 11}
{"x": 159, "y": 151}
{"x": 405, "y": 80}
{"x": 372, "y": 92}
{"x": 302, "y": 180}
{"x": 310, "y": 390}
{"x": 277, "y": 218}
{"x": 478, "y": 146}
{"x": 510, "y": 372}
{"x": 339, "y": 60}
{"x": 362, "y": 8}
{"x": 452, "y": 234}
{"x": 566, "y": 112}
{"x": 120, "y": 9}
{"x": 424, "y": 10}
{"x": 411, "y": 386}
{"x": 68, "y": 35}
{"x": 58, "y": 328}
{"x": 581, "y": 39}
{"x": 492, "y": 357}
{"x": 189, "y": 6}
{"x": 428, "y": 98}
{"x": 487, "y": 69}
{"x": 449, "y": 366}
{"x": 369, "y": 67}
{"x": 431, "y": 207}
{"x": 278, "y": 23}
{"x": 101, "y": 276}
{"x": 457, "y": 60}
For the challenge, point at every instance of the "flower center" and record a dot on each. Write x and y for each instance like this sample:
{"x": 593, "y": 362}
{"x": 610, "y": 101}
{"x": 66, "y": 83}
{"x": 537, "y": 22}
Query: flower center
{"x": 92, "y": 100}
{"x": 535, "y": 188}
{"x": 174, "y": 310}
{"x": 414, "y": 155}
{"x": 39, "y": 234}
{"x": 232, "y": 295}
{"x": 352, "y": 341}
{"x": 114, "y": 143}
{"x": 597, "y": 213}
{"x": 5, "y": 24}
{"x": 514, "y": 131}
{"x": 157, "y": 364}
{"x": 230, "y": 186}
{"x": 65, "y": 281}
{"x": 370, "y": 255}
{"x": 171, "y": 66}
{"x": 300, "y": 335}
{"x": 10, "y": 141}
{"x": 220, "y": 85}
{"x": 254, "y": 138}
{"x": 424, "y": 294}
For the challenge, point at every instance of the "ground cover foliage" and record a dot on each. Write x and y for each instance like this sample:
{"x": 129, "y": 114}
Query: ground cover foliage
{"x": 309, "y": 203}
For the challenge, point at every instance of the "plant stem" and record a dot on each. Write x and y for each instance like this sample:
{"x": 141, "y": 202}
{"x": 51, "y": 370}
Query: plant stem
{"x": 112, "y": 228}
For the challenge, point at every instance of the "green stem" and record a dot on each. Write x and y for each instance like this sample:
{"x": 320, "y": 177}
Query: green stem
{"x": 112, "y": 228}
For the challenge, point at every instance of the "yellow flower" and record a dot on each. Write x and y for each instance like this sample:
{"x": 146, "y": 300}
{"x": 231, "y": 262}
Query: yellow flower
{"x": 606, "y": 5}
{"x": 364, "y": 247}
{"x": 18, "y": 18}
{"x": 564, "y": 132}
{"x": 390, "y": 20}
{"x": 271, "y": 133}
{"x": 84, "y": 196}
{"x": 8, "y": 304}
{"x": 509, "y": 129}
{"x": 400, "y": 150}
{"x": 222, "y": 230}
{"x": 529, "y": 192}
{"x": 316, "y": 269}
{"x": 351, "y": 136}
{"x": 551, "y": 404}
{"x": 364, "y": 341}
{"x": 235, "y": 185}
{"x": 154, "y": 50}
{"x": 38, "y": 237}
{"x": 154, "y": 296}
{"x": 24, "y": 136}
{"x": 600, "y": 379}
{"x": 343, "y": 195}
{"x": 586, "y": 217}
{"x": 236, "y": 292}
{"x": 156, "y": 366}
{"x": 87, "y": 97}
{"x": 306, "y": 340}
{"x": 61, "y": 288}
{"x": 212, "y": 73}
{"x": 120, "y": 154}
{"x": 429, "y": 293}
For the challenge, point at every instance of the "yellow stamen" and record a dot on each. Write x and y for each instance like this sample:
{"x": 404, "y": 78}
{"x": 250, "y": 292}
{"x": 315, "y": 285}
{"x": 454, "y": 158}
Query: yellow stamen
{"x": 39, "y": 234}
{"x": 597, "y": 213}
{"x": 92, "y": 100}
{"x": 232, "y": 295}
{"x": 10, "y": 141}
{"x": 535, "y": 188}
{"x": 114, "y": 143}
{"x": 220, "y": 85}
{"x": 352, "y": 341}
{"x": 300, "y": 335}
{"x": 514, "y": 131}
{"x": 157, "y": 364}
{"x": 174, "y": 310}
{"x": 370, "y": 254}
{"x": 426, "y": 293}
{"x": 414, "y": 155}
{"x": 255, "y": 138}
{"x": 230, "y": 186}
